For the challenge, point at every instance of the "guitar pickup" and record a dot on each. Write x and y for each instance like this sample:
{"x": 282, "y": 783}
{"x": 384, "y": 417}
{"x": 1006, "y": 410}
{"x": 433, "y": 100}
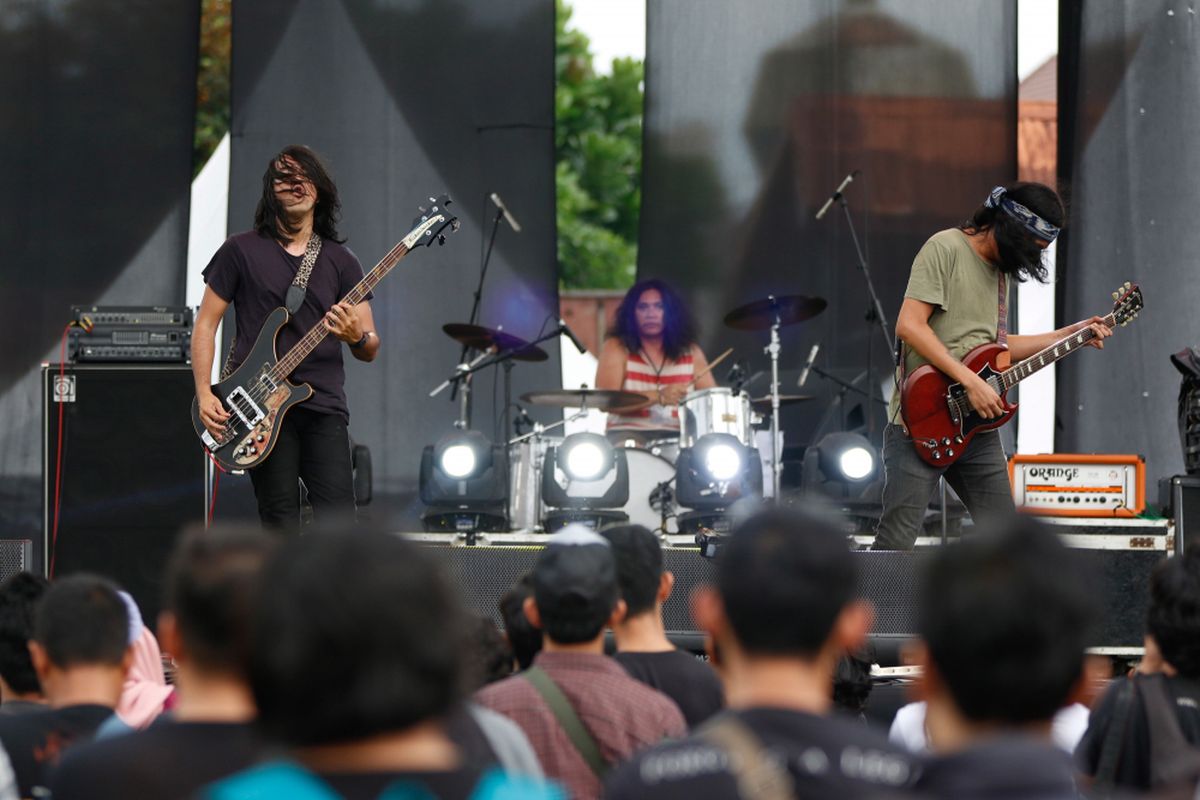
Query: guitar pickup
{"x": 248, "y": 411}
{"x": 269, "y": 385}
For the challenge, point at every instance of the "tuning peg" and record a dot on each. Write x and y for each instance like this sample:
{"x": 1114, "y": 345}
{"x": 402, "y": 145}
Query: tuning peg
{"x": 441, "y": 238}
{"x": 1115, "y": 295}
{"x": 1128, "y": 284}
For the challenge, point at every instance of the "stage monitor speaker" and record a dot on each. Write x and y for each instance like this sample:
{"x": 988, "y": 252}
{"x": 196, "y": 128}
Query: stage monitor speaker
{"x": 132, "y": 473}
{"x": 1180, "y": 497}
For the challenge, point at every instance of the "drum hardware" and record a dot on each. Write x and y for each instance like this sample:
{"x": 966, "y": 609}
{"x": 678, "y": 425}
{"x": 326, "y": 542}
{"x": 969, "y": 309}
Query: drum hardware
{"x": 772, "y": 314}
{"x": 763, "y": 404}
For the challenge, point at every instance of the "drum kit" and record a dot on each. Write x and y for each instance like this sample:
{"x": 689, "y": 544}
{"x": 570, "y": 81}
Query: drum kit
{"x": 651, "y": 463}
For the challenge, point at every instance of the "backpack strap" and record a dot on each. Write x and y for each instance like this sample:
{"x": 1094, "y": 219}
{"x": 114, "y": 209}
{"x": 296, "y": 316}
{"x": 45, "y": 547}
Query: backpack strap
{"x": 758, "y": 775}
{"x": 567, "y": 717}
{"x": 1118, "y": 729}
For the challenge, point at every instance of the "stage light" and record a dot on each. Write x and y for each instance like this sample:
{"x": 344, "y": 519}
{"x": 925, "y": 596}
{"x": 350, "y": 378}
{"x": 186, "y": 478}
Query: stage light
{"x": 585, "y": 456}
{"x": 713, "y": 475}
{"x": 464, "y": 484}
{"x": 584, "y": 479}
{"x": 840, "y": 464}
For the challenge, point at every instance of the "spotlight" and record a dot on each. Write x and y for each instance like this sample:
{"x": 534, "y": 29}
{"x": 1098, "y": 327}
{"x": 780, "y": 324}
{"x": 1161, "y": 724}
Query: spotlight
{"x": 584, "y": 479}
{"x": 464, "y": 484}
{"x": 840, "y": 464}
{"x": 711, "y": 476}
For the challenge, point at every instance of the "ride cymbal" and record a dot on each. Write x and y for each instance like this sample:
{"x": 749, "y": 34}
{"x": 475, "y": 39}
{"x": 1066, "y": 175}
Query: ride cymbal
{"x": 760, "y": 315}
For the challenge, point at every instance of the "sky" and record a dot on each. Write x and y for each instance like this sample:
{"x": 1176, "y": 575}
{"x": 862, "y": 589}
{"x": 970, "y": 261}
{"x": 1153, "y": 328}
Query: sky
{"x": 617, "y": 28}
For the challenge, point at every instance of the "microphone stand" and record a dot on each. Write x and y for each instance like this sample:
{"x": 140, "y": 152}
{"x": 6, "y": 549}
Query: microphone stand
{"x": 874, "y": 313}
{"x": 462, "y": 357}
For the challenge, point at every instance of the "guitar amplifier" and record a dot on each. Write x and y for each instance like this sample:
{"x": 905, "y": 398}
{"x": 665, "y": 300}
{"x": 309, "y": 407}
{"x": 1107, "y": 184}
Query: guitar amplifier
{"x": 131, "y": 334}
{"x": 1079, "y": 485}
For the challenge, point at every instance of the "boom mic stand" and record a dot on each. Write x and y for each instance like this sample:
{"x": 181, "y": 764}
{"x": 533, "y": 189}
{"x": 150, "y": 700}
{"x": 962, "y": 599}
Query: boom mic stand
{"x": 875, "y": 312}
{"x": 465, "y": 414}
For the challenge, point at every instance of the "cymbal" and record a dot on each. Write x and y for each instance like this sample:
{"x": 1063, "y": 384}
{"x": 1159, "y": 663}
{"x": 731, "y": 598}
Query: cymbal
{"x": 760, "y": 314}
{"x": 598, "y": 399}
{"x": 764, "y": 403}
{"x": 479, "y": 337}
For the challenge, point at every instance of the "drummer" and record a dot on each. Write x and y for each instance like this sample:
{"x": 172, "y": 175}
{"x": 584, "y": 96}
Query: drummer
{"x": 651, "y": 350}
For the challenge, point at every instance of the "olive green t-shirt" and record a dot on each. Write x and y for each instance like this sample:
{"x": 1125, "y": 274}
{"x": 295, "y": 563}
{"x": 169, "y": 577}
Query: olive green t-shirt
{"x": 964, "y": 291}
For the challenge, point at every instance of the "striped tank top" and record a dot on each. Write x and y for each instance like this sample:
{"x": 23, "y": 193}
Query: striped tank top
{"x": 641, "y": 376}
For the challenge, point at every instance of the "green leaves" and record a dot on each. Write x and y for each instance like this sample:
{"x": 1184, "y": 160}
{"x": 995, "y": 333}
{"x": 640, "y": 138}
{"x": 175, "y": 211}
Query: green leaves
{"x": 598, "y": 148}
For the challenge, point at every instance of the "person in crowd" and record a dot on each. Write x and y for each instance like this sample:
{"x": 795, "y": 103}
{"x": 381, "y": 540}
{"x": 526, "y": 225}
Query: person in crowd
{"x": 210, "y": 581}
{"x": 146, "y": 693}
{"x": 643, "y": 648}
{"x": 782, "y": 612}
{"x": 852, "y": 684}
{"x": 1004, "y": 619}
{"x": 19, "y": 687}
{"x": 581, "y": 710}
{"x": 651, "y": 350}
{"x": 956, "y": 300}
{"x": 80, "y": 651}
{"x": 1158, "y": 743}
{"x": 524, "y": 639}
{"x": 355, "y": 659}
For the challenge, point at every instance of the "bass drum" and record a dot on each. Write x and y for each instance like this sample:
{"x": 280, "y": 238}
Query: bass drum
{"x": 652, "y": 484}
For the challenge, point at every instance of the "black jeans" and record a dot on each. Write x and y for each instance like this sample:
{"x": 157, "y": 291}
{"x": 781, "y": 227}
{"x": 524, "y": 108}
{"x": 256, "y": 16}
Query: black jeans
{"x": 315, "y": 448}
{"x": 979, "y": 477}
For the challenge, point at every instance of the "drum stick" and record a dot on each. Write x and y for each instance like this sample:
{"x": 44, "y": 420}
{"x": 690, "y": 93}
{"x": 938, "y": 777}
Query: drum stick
{"x": 710, "y": 367}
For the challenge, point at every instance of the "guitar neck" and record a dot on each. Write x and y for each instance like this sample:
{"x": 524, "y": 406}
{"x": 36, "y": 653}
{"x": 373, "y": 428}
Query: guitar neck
{"x": 299, "y": 351}
{"x": 1060, "y": 349}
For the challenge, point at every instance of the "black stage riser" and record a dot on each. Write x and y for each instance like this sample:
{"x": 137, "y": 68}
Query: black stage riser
{"x": 889, "y": 580}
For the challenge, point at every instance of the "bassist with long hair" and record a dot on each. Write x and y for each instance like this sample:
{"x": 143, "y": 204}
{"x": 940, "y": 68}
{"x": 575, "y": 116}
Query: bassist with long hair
{"x": 293, "y": 257}
{"x": 957, "y": 300}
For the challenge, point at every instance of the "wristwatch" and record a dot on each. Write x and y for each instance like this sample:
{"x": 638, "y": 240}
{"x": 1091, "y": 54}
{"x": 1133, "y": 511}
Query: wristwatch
{"x": 366, "y": 335}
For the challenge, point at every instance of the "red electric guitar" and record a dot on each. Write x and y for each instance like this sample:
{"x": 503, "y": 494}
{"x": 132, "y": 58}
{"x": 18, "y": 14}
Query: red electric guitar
{"x": 936, "y": 411}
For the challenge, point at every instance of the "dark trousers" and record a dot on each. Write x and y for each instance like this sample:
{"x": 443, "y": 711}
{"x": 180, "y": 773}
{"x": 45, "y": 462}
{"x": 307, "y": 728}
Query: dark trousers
{"x": 979, "y": 477}
{"x": 315, "y": 448}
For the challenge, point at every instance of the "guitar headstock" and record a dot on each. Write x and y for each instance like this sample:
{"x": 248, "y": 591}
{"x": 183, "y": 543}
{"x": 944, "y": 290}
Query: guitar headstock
{"x": 430, "y": 226}
{"x": 1127, "y": 302}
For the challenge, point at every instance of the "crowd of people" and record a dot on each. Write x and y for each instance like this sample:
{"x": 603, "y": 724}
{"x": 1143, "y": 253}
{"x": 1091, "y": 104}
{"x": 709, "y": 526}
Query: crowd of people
{"x": 343, "y": 665}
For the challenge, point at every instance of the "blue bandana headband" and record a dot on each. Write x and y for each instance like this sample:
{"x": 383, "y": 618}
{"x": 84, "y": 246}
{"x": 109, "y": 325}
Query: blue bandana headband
{"x": 1030, "y": 221}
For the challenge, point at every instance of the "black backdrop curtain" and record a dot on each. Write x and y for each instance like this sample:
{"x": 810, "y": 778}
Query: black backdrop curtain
{"x": 405, "y": 99}
{"x": 97, "y": 108}
{"x": 1127, "y": 152}
{"x": 752, "y": 119}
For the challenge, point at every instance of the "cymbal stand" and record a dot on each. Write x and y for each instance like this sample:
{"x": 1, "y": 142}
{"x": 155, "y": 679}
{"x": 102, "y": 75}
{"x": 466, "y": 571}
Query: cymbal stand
{"x": 461, "y": 373}
{"x": 772, "y": 350}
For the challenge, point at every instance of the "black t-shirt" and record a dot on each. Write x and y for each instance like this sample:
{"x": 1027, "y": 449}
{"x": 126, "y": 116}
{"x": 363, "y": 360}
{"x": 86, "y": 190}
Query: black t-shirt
{"x": 168, "y": 760}
{"x": 687, "y": 680}
{"x": 457, "y": 783}
{"x": 1133, "y": 765}
{"x": 827, "y": 757}
{"x": 1005, "y": 768}
{"x": 253, "y": 272}
{"x": 36, "y": 740}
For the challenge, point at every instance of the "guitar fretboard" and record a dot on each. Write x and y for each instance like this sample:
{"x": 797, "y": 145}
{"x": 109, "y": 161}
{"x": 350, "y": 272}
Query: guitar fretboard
{"x": 1019, "y": 372}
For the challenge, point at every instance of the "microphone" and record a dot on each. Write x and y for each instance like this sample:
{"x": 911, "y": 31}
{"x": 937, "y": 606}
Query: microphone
{"x": 562, "y": 328}
{"x": 812, "y": 356}
{"x": 509, "y": 218}
{"x": 833, "y": 198}
{"x": 737, "y": 376}
{"x": 523, "y": 417}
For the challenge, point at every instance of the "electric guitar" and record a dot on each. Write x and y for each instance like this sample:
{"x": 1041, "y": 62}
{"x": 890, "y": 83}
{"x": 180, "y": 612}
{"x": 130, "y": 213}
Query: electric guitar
{"x": 258, "y": 394}
{"x": 940, "y": 417}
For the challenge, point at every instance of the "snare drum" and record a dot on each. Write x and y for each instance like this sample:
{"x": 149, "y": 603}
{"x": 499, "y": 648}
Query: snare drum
{"x": 716, "y": 410}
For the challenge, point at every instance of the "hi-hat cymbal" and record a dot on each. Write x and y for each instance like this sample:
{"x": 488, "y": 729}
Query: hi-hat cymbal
{"x": 598, "y": 399}
{"x": 761, "y": 314}
{"x": 763, "y": 404}
{"x": 479, "y": 337}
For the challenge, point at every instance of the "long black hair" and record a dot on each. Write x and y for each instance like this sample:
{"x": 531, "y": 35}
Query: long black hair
{"x": 1020, "y": 254}
{"x": 268, "y": 216}
{"x": 679, "y": 330}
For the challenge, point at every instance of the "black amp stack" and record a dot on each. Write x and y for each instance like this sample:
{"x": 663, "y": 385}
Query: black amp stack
{"x": 131, "y": 334}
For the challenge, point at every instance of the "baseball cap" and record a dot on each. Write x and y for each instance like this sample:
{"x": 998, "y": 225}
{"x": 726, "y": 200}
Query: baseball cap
{"x": 576, "y": 575}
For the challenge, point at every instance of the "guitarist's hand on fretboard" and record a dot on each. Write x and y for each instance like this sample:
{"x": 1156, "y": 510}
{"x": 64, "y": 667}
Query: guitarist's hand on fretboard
{"x": 1098, "y": 327}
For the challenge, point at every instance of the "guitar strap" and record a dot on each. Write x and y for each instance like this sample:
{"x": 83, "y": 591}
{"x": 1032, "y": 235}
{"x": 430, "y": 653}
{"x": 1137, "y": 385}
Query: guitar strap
{"x": 295, "y": 293}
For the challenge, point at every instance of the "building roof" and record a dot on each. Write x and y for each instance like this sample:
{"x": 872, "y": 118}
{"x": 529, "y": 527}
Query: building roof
{"x": 1042, "y": 84}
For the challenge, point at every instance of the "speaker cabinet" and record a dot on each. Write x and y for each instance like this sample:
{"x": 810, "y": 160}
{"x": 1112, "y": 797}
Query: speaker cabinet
{"x": 1179, "y": 496}
{"x": 130, "y": 474}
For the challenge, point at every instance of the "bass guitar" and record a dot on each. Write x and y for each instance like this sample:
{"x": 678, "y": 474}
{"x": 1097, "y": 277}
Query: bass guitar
{"x": 258, "y": 394}
{"x": 940, "y": 417}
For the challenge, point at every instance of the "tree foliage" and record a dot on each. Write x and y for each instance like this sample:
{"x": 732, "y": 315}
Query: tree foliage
{"x": 212, "y": 80}
{"x": 598, "y": 150}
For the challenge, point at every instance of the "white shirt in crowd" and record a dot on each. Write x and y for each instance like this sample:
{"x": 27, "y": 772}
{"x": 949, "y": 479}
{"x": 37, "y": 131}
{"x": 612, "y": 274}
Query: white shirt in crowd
{"x": 908, "y": 727}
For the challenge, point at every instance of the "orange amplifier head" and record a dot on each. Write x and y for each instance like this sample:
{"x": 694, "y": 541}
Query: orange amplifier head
{"x": 1079, "y": 485}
